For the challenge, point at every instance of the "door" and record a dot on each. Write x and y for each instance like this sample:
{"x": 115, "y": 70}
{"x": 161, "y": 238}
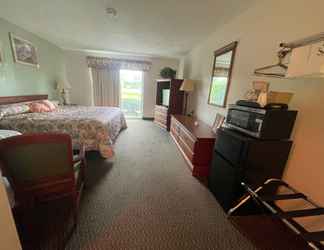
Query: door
{"x": 131, "y": 96}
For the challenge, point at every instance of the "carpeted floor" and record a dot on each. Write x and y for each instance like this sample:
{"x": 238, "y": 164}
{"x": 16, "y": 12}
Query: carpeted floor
{"x": 146, "y": 198}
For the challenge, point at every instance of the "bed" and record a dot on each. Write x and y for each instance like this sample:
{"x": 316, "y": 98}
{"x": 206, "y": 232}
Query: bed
{"x": 94, "y": 127}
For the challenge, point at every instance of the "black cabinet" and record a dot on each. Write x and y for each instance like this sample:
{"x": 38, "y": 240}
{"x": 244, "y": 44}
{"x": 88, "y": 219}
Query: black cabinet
{"x": 238, "y": 158}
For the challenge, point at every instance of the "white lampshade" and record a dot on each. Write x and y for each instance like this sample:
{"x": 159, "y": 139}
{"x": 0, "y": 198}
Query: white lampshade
{"x": 63, "y": 85}
{"x": 187, "y": 85}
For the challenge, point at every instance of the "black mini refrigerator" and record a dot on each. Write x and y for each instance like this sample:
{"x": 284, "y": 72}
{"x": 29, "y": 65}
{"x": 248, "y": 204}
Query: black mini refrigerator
{"x": 240, "y": 158}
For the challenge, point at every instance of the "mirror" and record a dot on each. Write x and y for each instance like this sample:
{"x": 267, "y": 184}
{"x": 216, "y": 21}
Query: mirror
{"x": 221, "y": 75}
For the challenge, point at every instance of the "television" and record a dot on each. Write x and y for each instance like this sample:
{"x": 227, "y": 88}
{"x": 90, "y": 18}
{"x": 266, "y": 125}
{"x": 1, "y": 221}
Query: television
{"x": 165, "y": 97}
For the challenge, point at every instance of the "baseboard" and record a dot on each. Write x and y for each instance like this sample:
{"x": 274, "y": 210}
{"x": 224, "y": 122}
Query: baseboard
{"x": 148, "y": 118}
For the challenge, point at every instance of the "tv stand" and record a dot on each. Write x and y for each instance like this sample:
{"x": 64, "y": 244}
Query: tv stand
{"x": 163, "y": 112}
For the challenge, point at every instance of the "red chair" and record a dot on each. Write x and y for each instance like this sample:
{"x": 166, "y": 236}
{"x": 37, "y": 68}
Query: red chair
{"x": 41, "y": 168}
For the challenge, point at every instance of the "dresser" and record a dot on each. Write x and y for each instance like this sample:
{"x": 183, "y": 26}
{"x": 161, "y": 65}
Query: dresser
{"x": 195, "y": 143}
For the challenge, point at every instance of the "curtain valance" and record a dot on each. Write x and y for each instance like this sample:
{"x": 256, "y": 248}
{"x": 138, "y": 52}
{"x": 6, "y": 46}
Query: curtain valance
{"x": 221, "y": 72}
{"x": 110, "y": 63}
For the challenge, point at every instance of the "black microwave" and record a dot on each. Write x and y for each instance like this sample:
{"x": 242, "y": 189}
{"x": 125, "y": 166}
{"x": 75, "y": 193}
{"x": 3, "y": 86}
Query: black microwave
{"x": 267, "y": 124}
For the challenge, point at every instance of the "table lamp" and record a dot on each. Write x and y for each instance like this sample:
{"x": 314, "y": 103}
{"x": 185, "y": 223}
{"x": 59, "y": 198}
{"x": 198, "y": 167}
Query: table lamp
{"x": 63, "y": 87}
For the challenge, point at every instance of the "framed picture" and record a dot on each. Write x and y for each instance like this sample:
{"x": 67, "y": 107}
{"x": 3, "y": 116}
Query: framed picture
{"x": 24, "y": 52}
{"x": 219, "y": 119}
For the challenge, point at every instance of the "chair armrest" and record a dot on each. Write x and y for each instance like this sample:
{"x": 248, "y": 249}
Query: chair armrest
{"x": 81, "y": 155}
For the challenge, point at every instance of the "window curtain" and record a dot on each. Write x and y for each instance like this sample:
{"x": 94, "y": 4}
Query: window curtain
{"x": 105, "y": 78}
{"x": 105, "y": 87}
{"x": 108, "y": 63}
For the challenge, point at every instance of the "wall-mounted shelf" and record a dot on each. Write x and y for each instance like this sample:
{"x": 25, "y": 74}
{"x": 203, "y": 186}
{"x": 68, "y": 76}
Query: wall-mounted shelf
{"x": 306, "y": 59}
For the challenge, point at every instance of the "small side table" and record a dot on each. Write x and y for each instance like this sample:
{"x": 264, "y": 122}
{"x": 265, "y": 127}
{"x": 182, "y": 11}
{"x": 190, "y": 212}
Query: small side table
{"x": 5, "y": 134}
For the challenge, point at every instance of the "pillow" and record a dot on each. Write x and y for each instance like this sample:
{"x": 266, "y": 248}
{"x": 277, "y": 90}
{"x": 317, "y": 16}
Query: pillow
{"x": 51, "y": 106}
{"x": 14, "y": 110}
{"x": 38, "y": 107}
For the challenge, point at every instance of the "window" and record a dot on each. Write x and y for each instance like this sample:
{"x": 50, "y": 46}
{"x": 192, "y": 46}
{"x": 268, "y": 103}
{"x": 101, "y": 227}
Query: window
{"x": 131, "y": 93}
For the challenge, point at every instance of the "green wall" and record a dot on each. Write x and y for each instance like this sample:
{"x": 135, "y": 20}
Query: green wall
{"x": 19, "y": 79}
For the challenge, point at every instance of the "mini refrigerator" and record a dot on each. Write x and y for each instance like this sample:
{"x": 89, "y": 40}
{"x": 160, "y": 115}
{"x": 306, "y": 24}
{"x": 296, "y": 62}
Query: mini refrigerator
{"x": 240, "y": 158}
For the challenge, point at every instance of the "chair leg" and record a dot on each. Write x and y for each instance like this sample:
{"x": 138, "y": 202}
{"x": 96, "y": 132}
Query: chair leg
{"x": 76, "y": 201}
{"x": 75, "y": 215}
{"x": 83, "y": 172}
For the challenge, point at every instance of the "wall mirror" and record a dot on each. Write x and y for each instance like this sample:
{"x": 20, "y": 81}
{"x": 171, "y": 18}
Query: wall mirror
{"x": 221, "y": 75}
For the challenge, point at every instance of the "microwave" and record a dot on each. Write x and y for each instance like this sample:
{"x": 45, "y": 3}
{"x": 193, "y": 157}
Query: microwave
{"x": 267, "y": 124}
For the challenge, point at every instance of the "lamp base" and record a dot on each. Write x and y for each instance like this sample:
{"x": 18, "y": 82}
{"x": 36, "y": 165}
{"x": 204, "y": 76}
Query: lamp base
{"x": 63, "y": 97}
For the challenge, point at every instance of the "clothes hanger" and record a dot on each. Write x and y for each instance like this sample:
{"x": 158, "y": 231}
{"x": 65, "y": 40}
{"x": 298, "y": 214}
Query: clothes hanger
{"x": 280, "y": 65}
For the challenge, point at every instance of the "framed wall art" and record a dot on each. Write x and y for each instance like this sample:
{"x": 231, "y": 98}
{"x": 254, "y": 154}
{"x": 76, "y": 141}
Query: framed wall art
{"x": 219, "y": 120}
{"x": 24, "y": 52}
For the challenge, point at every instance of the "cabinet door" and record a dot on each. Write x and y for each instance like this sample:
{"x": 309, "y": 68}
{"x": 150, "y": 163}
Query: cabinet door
{"x": 224, "y": 182}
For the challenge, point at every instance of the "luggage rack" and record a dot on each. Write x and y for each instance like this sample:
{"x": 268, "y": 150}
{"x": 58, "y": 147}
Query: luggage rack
{"x": 267, "y": 203}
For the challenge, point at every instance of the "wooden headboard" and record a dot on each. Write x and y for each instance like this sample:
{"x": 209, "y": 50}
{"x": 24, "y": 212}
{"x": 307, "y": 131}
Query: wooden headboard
{"x": 21, "y": 98}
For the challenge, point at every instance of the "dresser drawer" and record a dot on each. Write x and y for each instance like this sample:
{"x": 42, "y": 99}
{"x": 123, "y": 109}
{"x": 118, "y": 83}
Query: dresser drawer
{"x": 161, "y": 109}
{"x": 161, "y": 115}
{"x": 186, "y": 150}
{"x": 174, "y": 132}
{"x": 161, "y": 121}
{"x": 174, "y": 126}
{"x": 187, "y": 139}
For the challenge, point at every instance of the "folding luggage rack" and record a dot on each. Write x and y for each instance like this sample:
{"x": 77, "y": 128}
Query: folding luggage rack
{"x": 257, "y": 213}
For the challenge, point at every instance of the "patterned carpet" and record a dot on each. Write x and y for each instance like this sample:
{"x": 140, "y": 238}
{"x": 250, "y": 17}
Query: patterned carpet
{"x": 146, "y": 198}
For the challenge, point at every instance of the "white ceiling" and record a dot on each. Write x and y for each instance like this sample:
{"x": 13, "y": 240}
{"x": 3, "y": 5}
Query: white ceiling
{"x": 151, "y": 27}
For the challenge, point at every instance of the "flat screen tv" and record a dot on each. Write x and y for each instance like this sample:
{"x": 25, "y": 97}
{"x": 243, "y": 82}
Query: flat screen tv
{"x": 165, "y": 97}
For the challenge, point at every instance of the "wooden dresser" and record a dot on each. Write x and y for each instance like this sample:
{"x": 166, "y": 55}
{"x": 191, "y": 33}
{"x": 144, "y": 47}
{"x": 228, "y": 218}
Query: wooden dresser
{"x": 196, "y": 143}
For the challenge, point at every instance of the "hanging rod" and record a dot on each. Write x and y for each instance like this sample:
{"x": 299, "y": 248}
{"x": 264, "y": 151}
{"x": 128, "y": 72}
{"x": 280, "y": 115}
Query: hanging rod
{"x": 305, "y": 41}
